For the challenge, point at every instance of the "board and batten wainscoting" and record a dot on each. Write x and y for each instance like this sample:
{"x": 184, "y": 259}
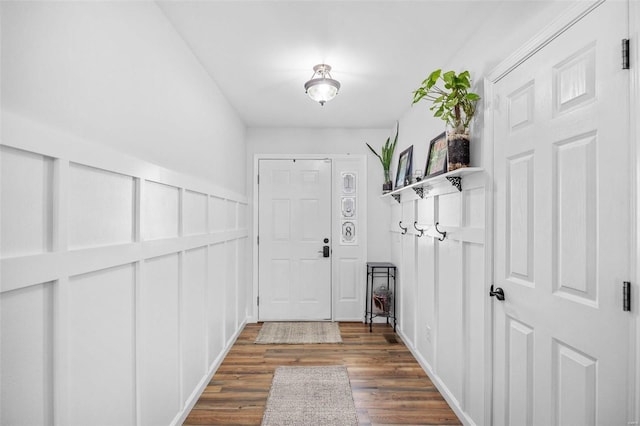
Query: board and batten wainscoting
{"x": 437, "y": 283}
{"x": 123, "y": 283}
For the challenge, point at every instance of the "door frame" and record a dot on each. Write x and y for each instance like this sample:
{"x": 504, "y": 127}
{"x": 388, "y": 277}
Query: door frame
{"x": 564, "y": 21}
{"x": 634, "y": 134}
{"x": 335, "y": 245}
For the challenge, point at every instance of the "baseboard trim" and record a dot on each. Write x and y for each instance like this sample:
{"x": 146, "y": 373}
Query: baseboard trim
{"x": 195, "y": 395}
{"x": 439, "y": 384}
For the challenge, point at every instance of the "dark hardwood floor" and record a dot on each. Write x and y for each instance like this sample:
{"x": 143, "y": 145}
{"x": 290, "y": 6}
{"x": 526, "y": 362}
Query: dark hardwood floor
{"x": 389, "y": 386}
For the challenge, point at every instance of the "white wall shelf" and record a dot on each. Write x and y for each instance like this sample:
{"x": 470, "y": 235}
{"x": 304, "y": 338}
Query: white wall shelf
{"x": 422, "y": 187}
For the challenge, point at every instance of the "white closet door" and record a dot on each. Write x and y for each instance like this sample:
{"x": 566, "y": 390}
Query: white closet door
{"x": 562, "y": 181}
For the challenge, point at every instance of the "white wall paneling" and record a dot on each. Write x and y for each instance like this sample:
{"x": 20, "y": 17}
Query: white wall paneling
{"x": 217, "y": 214}
{"x": 193, "y": 336}
{"x": 100, "y": 347}
{"x": 26, "y": 199}
{"x": 242, "y": 298}
{"x": 450, "y": 316}
{"x": 158, "y": 341}
{"x": 441, "y": 289}
{"x": 426, "y": 313}
{"x": 216, "y": 288}
{"x": 231, "y": 293}
{"x": 475, "y": 344}
{"x": 195, "y": 213}
{"x": 26, "y": 354}
{"x": 231, "y": 214}
{"x": 101, "y": 207}
{"x": 407, "y": 288}
{"x": 160, "y": 211}
{"x": 122, "y": 283}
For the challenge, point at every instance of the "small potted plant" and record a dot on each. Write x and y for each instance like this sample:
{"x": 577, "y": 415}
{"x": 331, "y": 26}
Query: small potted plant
{"x": 454, "y": 104}
{"x": 387, "y": 153}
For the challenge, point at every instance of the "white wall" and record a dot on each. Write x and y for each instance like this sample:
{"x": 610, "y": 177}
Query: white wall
{"x": 117, "y": 73}
{"x": 122, "y": 281}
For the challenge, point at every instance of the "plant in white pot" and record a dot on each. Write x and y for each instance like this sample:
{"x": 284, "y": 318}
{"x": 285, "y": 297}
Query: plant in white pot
{"x": 454, "y": 104}
{"x": 385, "y": 156}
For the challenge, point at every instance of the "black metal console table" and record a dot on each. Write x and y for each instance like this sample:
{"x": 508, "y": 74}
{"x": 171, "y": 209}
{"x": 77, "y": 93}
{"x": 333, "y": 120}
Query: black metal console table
{"x": 381, "y": 270}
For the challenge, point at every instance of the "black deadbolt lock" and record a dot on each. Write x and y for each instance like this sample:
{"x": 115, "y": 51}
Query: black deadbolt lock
{"x": 326, "y": 240}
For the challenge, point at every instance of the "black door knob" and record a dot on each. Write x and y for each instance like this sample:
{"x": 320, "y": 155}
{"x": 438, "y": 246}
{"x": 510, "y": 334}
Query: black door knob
{"x": 498, "y": 293}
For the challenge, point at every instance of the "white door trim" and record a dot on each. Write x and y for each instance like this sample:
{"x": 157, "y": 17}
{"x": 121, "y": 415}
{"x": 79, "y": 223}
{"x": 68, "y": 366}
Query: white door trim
{"x": 255, "y": 217}
{"x": 634, "y": 134}
{"x": 563, "y": 22}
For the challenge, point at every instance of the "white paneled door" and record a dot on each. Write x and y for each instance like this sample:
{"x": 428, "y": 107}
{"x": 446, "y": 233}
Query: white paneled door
{"x": 294, "y": 227}
{"x": 562, "y": 230}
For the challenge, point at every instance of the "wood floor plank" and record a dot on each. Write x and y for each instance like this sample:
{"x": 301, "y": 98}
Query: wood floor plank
{"x": 389, "y": 386}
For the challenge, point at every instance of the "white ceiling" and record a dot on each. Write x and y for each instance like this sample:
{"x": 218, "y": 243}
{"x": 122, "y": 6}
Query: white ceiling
{"x": 261, "y": 52}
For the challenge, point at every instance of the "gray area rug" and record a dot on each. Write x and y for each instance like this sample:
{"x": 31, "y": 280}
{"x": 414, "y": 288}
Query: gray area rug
{"x": 299, "y": 333}
{"x": 310, "y": 396}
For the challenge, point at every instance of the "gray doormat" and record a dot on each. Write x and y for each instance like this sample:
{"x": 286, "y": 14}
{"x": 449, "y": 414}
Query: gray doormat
{"x": 293, "y": 333}
{"x": 310, "y": 396}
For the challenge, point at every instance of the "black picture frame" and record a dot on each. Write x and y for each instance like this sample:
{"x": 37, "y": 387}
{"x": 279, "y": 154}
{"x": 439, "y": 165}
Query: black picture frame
{"x": 405, "y": 166}
{"x": 437, "y": 161}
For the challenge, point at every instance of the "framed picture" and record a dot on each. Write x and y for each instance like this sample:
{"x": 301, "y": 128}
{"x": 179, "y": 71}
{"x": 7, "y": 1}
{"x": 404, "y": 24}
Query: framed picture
{"x": 437, "y": 156}
{"x": 404, "y": 167}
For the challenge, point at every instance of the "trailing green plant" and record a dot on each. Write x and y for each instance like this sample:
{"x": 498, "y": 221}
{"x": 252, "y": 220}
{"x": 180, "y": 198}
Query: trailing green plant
{"x": 453, "y": 103}
{"x": 386, "y": 154}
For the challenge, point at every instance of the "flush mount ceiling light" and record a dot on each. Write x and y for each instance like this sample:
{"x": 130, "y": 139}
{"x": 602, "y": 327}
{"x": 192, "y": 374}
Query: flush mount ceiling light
{"x": 322, "y": 88}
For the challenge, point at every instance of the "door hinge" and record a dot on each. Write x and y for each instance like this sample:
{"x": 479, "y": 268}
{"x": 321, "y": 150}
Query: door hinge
{"x": 258, "y": 239}
{"x": 625, "y": 53}
{"x": 626, "y": 296}
{"x": 258, "y": 300}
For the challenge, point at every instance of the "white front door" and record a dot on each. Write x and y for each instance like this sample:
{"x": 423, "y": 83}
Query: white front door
{"x": 294, "y": 222}
{"x": 562, "y": 230}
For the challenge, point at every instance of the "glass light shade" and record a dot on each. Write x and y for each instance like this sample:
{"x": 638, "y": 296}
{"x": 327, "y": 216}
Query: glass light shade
{"x": 322, "y": 89}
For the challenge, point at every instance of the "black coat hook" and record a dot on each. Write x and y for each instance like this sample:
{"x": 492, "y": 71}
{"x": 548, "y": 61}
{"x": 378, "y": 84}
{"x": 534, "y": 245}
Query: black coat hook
{"x": 404, "y": 230}
{"x": 444, "y": 234}
{"x": 421, "y": 231}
